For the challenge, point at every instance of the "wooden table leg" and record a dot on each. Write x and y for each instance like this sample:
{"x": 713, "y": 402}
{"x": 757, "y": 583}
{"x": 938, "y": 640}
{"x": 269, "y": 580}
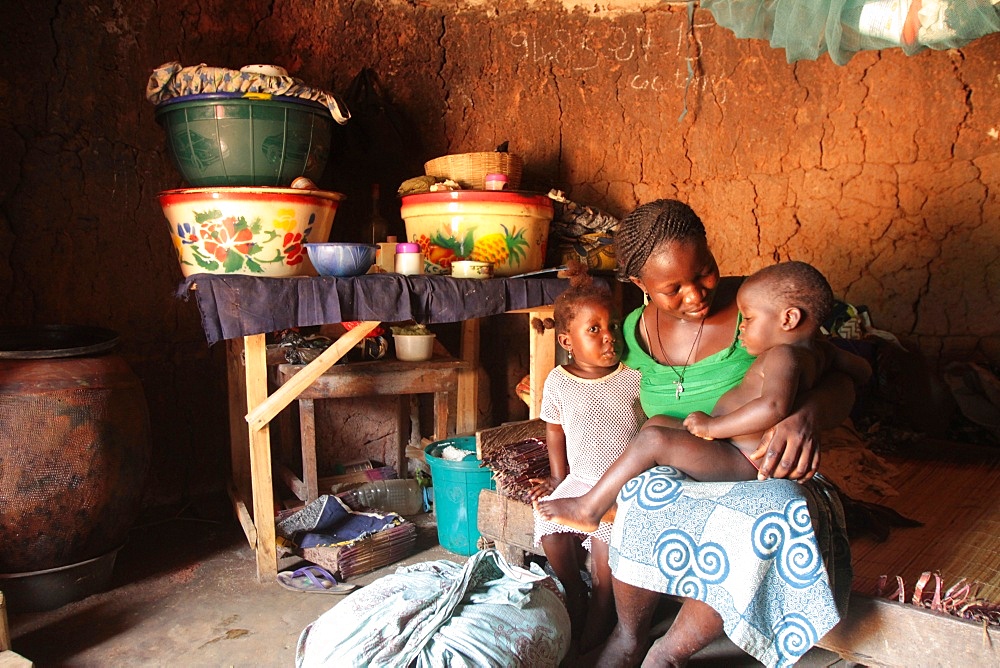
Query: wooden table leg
{"x": 307, "y": 437}
{"x": 542, "y": 359}
{"x": 440, "y": 415}
{"x": 255, "y": 352}
{"x": 467, "y": 401}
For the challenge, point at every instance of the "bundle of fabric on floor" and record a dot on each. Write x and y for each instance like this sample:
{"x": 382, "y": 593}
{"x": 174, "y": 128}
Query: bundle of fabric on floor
{"x": 440, "y": 613}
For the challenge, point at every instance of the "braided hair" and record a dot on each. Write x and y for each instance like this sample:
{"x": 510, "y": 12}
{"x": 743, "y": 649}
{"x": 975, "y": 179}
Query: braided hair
{"x": 648, "y": 227}
{"x": 797, "y": 284}
{"x": 582, "y": 290}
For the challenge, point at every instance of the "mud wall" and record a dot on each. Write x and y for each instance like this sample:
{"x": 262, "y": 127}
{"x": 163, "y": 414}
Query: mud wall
{"x": 884, "y": 173}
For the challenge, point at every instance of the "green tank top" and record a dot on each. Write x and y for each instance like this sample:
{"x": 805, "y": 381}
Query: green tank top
{"x": 704, "y": 381}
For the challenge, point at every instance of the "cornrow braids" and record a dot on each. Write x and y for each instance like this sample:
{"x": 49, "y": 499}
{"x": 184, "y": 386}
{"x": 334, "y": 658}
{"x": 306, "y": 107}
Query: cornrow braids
{"x": 797, "y": 284}
{"x": 648, "y": 227}
{"x": 582, "y": 290}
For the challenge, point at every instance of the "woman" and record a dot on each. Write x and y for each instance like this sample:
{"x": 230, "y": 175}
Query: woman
{"x": 684, "y": 341}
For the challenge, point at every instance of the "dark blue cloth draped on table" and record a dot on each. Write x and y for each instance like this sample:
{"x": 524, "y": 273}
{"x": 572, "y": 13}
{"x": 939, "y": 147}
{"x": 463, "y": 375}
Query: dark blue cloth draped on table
{"x": 236, "y": 306}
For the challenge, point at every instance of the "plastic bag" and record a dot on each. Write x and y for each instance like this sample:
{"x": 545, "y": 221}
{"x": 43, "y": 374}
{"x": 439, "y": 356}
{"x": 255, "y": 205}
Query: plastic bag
{"x": 380, "y": 137}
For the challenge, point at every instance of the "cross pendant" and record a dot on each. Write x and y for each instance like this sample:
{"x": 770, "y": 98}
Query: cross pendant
{"x": 678, "y": 389}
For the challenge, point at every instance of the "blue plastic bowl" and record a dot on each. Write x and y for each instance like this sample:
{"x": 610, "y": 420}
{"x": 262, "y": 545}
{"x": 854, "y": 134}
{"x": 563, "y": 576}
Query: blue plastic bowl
{"x": 341, "y": 259}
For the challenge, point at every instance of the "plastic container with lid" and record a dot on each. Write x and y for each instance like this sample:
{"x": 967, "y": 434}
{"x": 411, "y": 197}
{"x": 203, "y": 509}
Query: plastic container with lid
{"x": 496, "y": 181}
{"x": 404, "y": 497}
{"x": 409, "y": 259}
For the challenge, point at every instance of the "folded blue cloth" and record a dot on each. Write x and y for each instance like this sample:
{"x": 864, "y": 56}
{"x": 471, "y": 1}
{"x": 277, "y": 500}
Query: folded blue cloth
{"x": 328, "y": 521}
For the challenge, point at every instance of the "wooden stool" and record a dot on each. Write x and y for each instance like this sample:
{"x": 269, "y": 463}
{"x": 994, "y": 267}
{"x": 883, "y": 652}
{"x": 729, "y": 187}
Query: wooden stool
{"x": 437, "y": 376}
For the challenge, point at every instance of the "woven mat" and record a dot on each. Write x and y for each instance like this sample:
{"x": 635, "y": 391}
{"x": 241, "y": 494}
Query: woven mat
{"x": 381, "y": 549}
{"x": 954, "y": 489}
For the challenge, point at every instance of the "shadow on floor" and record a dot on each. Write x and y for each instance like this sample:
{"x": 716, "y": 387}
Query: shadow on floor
{"x": 184, "y": 592}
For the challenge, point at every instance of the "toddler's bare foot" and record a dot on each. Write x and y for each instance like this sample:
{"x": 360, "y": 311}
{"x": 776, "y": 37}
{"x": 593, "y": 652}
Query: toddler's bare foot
{"x": 568, "y": 512}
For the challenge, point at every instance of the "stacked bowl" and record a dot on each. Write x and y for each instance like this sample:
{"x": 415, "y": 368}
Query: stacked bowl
{"x": 507, "y": 229}
{"x": 241, "y": 154}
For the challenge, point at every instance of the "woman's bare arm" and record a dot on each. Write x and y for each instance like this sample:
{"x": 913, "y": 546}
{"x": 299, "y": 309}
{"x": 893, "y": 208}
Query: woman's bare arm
{"x": 791, "y": 448}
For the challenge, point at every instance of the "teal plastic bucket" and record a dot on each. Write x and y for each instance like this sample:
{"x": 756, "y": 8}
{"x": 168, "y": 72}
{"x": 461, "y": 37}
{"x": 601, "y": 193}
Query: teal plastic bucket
{"x": 456, "y": 494}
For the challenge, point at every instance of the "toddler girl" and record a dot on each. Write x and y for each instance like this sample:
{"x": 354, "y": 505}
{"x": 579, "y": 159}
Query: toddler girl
{"x": 591, "y": 407}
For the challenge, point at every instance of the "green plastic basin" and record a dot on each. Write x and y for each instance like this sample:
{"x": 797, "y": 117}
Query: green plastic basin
{"x": 225, "y": 140}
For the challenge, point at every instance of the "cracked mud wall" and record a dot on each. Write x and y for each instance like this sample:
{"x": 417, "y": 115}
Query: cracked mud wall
{"x": 884, "y": 173}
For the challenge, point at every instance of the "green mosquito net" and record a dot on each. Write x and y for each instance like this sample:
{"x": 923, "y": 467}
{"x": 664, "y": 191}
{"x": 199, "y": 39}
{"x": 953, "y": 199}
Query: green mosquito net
{"x": 806, "y": 29}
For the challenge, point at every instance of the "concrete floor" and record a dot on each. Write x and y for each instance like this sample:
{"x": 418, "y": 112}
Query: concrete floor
{"x": 184, "y": 593}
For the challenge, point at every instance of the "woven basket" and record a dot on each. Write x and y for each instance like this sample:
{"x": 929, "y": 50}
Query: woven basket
{"x": 469, "y": 170}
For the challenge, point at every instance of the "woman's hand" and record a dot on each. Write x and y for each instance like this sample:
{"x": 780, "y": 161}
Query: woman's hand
{"x": 542, "y": 487}
{"x": 790, "y": 449}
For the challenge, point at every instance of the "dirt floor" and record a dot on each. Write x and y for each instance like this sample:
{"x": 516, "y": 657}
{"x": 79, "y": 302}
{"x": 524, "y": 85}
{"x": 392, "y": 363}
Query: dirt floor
{"x": 184, "y": 592}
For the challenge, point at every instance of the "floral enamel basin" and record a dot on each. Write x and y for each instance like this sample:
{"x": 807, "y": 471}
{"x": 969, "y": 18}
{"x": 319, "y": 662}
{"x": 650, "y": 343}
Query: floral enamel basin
{"x": 509, "y": 229}
{"x": 247, "y": 230}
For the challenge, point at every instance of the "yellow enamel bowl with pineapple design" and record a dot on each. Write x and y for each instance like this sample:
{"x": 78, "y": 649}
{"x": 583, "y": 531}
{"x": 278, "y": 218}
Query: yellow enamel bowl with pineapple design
{"x": 506, "y": 228}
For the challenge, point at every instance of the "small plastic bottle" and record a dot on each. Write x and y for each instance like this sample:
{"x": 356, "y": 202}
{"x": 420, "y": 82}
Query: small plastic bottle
{"x": 399, "y": 496}
{"x": 409, "y": 259}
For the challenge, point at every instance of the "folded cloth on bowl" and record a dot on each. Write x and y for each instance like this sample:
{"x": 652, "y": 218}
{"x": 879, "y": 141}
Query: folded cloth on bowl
{"x": 772, "y": 557}
{"x": 172, "y": 79}
{"x": 328, "y": 521}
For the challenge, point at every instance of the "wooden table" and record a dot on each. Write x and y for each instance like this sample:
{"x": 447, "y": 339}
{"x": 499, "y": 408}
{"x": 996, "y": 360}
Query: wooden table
{"x": 242, "y": 309}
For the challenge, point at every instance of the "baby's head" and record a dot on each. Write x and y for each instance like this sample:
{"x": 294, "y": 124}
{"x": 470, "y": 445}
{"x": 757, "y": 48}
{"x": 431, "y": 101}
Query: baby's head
{"x": 793, "y": 295}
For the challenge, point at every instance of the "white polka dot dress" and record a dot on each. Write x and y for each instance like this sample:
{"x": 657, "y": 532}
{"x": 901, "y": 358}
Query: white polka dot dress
{"x": 599, "y": 416}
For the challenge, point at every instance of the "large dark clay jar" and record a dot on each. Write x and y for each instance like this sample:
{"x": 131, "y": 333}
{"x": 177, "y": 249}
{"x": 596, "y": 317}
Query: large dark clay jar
{"x": 74, "y": 446}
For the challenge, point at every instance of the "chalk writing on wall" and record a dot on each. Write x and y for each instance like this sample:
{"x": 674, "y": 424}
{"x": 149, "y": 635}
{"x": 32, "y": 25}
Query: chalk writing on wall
{"x": 660, "y": 59}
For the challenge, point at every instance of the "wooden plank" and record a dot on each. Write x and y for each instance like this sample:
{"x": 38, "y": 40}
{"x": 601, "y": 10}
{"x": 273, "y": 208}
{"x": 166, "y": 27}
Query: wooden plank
{"x": 491, "y": 438}
{"x": 243, "y": 515}
{"x": 359, "y": 380}
{"x": 263, "y": 412}
{"x": 4, "y": 628}
{"x": 307, "y": 438}
{"x": 467, "y": 399}
{"x": 440, "y": 415}
{"x": 541, "y": 360}
{"x": 878, "y": 632}
{"x": 255, "y": 353}
{"x": 292, "y": 481}
{"x": 239, "y": 441}
{"x": 507, "y": 522}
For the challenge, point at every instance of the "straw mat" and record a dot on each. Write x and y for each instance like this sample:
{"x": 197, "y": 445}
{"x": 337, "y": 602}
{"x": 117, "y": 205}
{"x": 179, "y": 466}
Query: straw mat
{"x": 954, "y": 489}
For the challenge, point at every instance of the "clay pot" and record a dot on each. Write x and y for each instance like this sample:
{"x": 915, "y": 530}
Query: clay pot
{"x": 74, "y": 447}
